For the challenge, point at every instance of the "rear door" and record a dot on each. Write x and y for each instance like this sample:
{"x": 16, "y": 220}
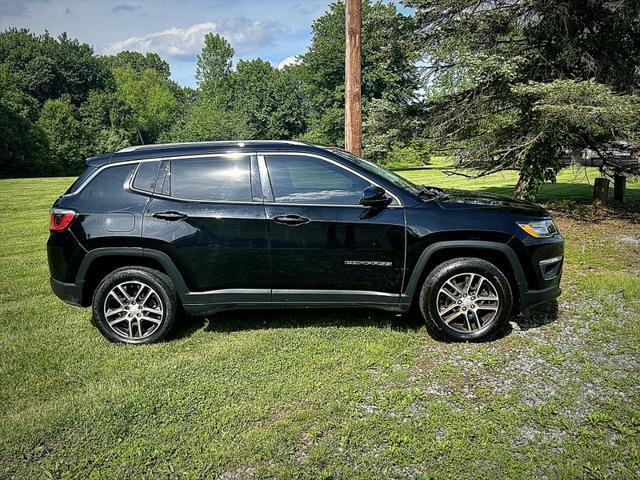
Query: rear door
{"x": 208, "y": 216}
{"x": 324, "y": 245}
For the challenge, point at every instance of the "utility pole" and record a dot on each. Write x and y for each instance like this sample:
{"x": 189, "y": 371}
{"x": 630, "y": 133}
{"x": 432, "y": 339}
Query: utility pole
{"x": 352, "y": 110}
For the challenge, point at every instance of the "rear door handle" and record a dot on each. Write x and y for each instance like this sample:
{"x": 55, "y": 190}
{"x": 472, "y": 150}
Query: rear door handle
{"x": 292, "y": 220}
{"x": 171, "y": 216}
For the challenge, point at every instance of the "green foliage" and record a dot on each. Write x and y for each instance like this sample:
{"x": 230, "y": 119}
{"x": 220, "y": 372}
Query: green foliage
{"x": 51, "y": 67}
{"x": 214, "y": 62}
{"x": 64, "y": 134}
{"x": 138, "y": 62}
{"x": 150, "y": 99}
{"x": 108, "y": 122}
{"x": 273, "y": 102}
{"x": 207, "y": 122}
{"x": 388, "y": 130}
{"x": 520, "y": 83}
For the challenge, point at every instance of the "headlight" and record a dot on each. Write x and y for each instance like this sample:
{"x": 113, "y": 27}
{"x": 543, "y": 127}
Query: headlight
{"x": 540, "y": 228}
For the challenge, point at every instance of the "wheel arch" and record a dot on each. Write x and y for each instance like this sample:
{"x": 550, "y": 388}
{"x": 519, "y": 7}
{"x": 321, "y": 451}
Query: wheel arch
{"x": 101, "y": 261}
{"x": 497, "y": 253}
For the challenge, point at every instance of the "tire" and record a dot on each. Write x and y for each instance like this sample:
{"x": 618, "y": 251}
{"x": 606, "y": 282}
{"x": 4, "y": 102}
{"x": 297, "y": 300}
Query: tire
{"x": 454, "y": 308}
{"x": 135, "y": 305}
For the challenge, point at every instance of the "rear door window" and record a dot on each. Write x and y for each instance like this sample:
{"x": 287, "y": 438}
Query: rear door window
{"x": 212, "y": 179}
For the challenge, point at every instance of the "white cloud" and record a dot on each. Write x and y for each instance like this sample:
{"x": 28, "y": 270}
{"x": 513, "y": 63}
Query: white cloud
{"x": 292, "y": 60}
{"x": 245, "y": 35}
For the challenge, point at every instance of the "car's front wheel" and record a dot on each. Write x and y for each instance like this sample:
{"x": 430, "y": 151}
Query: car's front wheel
{"x": 466, "y": 299}
{"x": 135, "y": 305}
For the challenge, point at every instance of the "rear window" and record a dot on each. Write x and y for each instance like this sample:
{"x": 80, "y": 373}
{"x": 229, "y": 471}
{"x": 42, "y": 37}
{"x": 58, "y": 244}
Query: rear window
{"x": 81, "y": 179}
{"x": 211, "y": 179}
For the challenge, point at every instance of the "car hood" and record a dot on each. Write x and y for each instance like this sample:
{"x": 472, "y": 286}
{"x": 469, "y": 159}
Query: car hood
{"x": 462, "y": 199}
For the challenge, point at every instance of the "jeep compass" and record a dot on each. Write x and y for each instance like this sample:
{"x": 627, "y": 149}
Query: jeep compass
{"x": 149, "y": 232}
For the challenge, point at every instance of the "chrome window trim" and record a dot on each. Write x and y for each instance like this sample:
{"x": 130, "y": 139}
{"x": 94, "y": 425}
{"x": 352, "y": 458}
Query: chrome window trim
{"x": 232, "y": 153}
{"x": 263, "y": 162}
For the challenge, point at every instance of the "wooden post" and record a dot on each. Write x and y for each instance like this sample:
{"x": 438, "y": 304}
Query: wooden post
{"x": 600, "y": 191}
{"x": 352, "y": 110}
{"x": 619, "y": 188}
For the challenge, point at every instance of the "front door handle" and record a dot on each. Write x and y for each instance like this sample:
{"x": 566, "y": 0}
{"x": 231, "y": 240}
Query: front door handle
{"x": 292, "y": 220}
{"x": 171, "y": 216}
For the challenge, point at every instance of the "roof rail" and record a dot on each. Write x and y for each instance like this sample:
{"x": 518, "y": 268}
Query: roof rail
{"x": 240, "y": 143}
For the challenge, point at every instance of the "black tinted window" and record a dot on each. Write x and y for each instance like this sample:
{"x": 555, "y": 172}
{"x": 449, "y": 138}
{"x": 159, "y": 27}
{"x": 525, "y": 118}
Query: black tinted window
{"x": 80, "y": 180}
{"x": 146, "y": 176}
{"x": 212, "y": 179}
{"x": 302, "y": 179}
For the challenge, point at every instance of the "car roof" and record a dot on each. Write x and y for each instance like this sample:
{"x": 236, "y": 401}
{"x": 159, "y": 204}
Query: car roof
{"x": 141, "y": 152}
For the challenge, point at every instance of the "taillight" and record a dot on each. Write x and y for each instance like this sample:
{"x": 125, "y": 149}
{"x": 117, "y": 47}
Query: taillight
{"x": 60, "y": 219}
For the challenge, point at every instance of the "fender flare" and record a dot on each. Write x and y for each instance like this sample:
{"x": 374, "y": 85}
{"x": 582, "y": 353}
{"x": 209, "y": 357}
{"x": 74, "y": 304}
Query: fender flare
{"x": 162, "y": 258}
{"x": 418, "y": 270}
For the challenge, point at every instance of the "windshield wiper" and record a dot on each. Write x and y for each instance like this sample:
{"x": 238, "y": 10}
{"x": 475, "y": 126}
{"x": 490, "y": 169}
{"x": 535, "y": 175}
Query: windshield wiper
{"x": 432, "y": 192}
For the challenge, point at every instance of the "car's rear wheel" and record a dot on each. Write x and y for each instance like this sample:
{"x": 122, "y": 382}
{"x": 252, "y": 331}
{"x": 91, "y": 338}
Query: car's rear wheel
{"x": 466, "y": 299}
{"x": 135, "y": 305}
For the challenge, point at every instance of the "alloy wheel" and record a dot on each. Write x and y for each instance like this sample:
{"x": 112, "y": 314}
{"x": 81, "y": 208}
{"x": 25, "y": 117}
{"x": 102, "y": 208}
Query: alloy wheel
{"x": 133, "y": 310}
{"x": 467, "y": 302}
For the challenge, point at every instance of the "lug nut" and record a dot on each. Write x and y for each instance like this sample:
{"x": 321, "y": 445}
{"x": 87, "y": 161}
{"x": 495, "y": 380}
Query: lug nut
{"x": 473, "y": 306}
{"x": 459, "y": 302}
{"x": 464, "y": 308}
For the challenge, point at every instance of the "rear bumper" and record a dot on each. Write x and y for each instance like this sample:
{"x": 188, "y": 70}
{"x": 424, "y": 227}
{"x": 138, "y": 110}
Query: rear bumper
{"x": 68, "y": 292}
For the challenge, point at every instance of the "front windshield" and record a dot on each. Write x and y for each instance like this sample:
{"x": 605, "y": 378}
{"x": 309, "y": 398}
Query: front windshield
{"x": 394, "y": 178}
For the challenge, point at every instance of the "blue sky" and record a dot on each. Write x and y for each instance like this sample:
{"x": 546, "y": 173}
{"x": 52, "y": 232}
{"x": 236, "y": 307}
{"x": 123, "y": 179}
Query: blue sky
{"x": 275, "y": 30}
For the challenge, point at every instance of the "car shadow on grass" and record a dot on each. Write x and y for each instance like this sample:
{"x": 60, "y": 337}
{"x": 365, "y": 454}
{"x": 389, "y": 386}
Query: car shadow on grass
{"x": 245, "y": 320}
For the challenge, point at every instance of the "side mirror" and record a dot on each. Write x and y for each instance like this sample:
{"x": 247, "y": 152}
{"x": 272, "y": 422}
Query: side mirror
{"x": 375, "y": 197}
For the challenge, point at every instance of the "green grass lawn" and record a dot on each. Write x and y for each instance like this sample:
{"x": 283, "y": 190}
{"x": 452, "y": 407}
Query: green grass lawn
{"x": 324, "y": 394}
{"x": 574, "y": 184}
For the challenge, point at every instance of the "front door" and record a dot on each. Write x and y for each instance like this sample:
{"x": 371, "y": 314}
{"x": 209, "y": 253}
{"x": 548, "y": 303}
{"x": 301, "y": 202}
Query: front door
{"x": 322, "y": 241}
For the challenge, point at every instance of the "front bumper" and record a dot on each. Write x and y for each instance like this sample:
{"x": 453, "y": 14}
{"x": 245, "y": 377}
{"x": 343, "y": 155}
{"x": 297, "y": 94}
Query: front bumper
{"x": 68, "y": 292}
{"x": 536, "y": 297}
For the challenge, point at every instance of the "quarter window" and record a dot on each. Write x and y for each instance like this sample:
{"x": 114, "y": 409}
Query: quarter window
{"x": 309, "y": 180}
{"x": 146, "y": 176}
{"x": 212, "y": 179}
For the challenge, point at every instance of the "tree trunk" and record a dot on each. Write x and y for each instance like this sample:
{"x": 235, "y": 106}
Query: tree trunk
{"x": 600, "y": 191}
{"x": 619, "y": 188}
{"x": 521, "y": 188}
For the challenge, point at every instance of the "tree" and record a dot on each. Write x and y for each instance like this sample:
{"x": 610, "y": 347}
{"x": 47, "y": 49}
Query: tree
{"x": 388, "y": 70}
{"x": 52, "y": 67}
{"x": 22, "y": 147}
{"x": 138, "y": 62}
{"x": 519, "y": 83}
{"x": 108, "y": 122}
{"x": 207, "y": 122}
{"x": 273, "y": 102}
{"x": 64, "y": 134}
{"x": 214, "y": 62}
{"x": 150, "y": 99}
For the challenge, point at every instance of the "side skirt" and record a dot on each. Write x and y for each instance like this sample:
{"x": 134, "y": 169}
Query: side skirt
{"x": 207, "y": 303}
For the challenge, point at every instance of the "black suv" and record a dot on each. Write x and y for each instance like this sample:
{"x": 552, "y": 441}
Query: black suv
{"x": 149, "y": 232}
